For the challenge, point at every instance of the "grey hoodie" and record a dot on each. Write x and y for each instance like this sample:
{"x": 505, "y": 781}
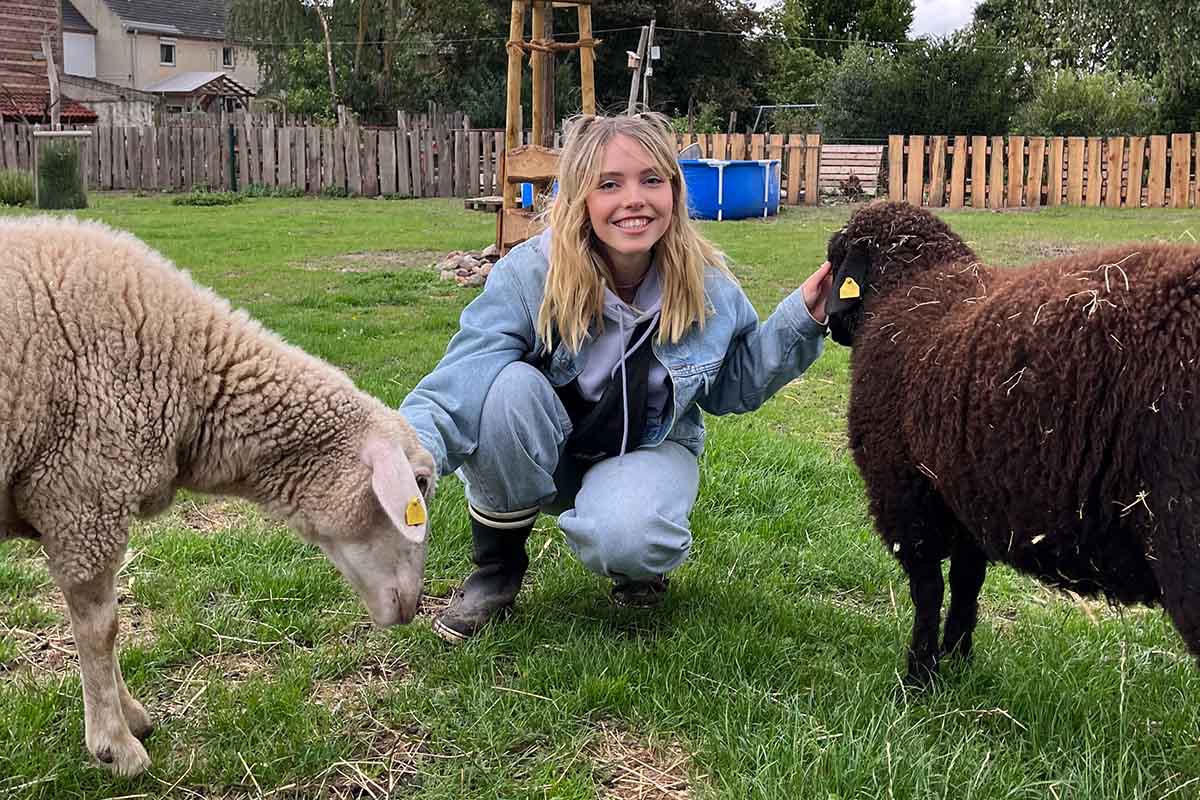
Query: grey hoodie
{"x": 604, "y": 356}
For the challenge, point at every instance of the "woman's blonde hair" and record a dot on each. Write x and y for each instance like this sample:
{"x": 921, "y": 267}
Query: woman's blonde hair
{"x": 574, "y": 295}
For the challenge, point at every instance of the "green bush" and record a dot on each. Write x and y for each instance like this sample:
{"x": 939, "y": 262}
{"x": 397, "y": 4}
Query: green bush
{"x": 334, "y": 191}
{"x": 16, "y": 188}
{"x": 1100, "y": 104}
{"x": 60, "y": 183}
{"x": 203, "y": 197}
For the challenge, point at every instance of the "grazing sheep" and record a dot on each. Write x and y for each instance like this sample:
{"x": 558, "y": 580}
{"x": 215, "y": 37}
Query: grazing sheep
{"x": 1042, "y": 417}
{"x": 122, "y": 381}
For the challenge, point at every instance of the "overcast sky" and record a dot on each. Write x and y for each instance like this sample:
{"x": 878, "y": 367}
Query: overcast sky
{"x": 940, "y": 16}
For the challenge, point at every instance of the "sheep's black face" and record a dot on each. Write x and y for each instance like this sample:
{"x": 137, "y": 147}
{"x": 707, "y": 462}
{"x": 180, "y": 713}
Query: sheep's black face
{"x": 845, "y": 306}
{"x": 881, "y": 243}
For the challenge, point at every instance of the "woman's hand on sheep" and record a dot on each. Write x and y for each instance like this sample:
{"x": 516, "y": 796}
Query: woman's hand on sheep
{"x": 817, "y": 289}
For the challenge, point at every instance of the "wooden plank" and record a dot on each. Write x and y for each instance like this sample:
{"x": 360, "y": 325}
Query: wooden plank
{"x": 216, "y": 167}
{"x": 268, "y": 159}
{"x": 199, "y": 159}
{"x": 474, "y": 167}
{"x": 758, "y": 146}
{"x": 737, "y": 147}
{"x": 403, "y": 172}
{"x": 958, "y": 172}
{"x": 1137, "y": 163}
{"x": 370, "y": 162}
{"x": 10, "y": 146}
{"x": 1156, "y": 184}
{"x": 416, "y": 161}
{"x": 120, "y": 179}
{"x": 1095, "y": 178}
{"x": 299, "y": 159}
{"x": 283, "y": 156}
{"x": 387, "y": 162}
{"x": 445, "y": 165}
{"x": 812, "y": 169}
{"x": 486, "y": 155}
{"x": 1115, "y": 150}
{"x": 1016, "y": 171}
{"x": 896, "y": 167}
{"x": 133, "y": 147}
{"x": 1181, "y": 170}
{"x": 313, "y": 154}
{"x": 914, "y": 179}
{"x": 519, "y": 225}
{"x": 338, "y": 158}
{"x": 164, "y": 159}
{"x": 150, "y": 157}
{"x": 704, "y": 143}
{"x": 461, "y": 167}
{"x": 775, "y": 147}
{"x": 104, "y": 140}
{"x": 978, "y": 171}
{"x": 1037, "y": 165}
{"x": 795, "y": 168}
{"x": 720, "y": 146}
{"x": 1075, "y": 166}
{"x": 937, "y": 171}
{"x": 248, "y": 152}
{"x": 326, "y": 158}
{"x": 354, "y": 167}
{"x": 1054, "y": 172}
{"x": 996, "y": 174}
{"x": 531, "y": 163}
{"x": 429, "y": 146}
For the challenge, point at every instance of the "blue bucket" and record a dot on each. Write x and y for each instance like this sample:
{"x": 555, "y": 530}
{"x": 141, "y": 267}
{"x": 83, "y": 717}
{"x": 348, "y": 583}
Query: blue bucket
{"x": 720, "y": 189}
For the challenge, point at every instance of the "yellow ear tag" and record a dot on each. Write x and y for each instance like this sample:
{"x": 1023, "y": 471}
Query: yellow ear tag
{"x": 415, "y": 513}
{"x": 849, "y": 290}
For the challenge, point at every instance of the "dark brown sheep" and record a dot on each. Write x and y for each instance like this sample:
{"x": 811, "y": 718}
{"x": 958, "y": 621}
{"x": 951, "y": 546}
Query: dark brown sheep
{"x": 1042, "y": 417}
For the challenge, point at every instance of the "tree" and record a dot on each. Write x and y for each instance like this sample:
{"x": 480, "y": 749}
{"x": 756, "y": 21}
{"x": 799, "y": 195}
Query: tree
{"x": 1102, "y": 104}
{"x": 961, "y": 84}
{"x": 826, "y": 28}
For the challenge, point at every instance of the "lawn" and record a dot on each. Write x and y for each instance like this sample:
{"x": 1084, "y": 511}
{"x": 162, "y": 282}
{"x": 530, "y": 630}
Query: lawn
{"x": 773, "y": 671}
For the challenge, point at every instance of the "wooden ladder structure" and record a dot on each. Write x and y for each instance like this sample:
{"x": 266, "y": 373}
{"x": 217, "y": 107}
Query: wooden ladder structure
{"x": 535, "y": 163}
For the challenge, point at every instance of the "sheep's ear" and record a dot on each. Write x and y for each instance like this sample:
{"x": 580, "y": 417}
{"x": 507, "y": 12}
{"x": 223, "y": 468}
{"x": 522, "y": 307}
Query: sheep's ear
{"x": 850, "y": 280}
{"x": 395, "y": 485}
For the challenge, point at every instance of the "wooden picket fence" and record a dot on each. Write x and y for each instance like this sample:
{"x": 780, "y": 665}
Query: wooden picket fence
{"x": 421, "y": 161}
{"x": 799, "y": 156}
{"x": 1033, "y": 171}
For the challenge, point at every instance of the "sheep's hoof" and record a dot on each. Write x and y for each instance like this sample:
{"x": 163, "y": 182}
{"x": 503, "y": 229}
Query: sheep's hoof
{"x": 124, "y": 756}
{"x": 140, "y": 724}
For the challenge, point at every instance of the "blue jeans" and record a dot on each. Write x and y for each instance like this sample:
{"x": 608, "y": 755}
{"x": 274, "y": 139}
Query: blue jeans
{"x": 624, "y": 516}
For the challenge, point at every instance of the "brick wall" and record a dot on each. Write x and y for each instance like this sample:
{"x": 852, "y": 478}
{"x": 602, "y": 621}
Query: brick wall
{"x": 22, "y": 23}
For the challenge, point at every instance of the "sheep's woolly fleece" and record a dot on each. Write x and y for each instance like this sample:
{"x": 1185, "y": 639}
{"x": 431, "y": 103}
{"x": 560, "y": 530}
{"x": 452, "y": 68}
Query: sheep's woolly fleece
{"x": 1047, "y": 414}
{"x": 122, "y": 378}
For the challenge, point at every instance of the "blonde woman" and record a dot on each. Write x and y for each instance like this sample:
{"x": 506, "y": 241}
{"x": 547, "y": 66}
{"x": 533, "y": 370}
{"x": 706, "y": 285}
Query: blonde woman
{"x": 576, "y": 380}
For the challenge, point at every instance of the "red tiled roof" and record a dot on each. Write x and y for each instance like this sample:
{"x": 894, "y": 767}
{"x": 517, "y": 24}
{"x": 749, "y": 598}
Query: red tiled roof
{"x": 34, "y": 106}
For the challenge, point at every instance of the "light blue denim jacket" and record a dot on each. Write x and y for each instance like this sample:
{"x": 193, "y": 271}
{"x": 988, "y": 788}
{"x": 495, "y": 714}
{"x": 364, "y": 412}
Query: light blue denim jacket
{"x": 731, "y": 365}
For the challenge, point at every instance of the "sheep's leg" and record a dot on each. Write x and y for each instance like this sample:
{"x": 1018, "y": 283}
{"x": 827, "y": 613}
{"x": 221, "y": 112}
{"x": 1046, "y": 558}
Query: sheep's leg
{"x": 93, "y": 607}
{"x": 926, "y": 587}
{"x": 136, "y": 716}
{"x": 968, "y": 566}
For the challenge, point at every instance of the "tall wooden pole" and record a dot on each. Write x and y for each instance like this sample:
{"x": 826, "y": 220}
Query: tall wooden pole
{"x": 587, "y": 60}
{"x": 637, "y": 72}
{"x": 538, "y": 60}
{"x": 512, "y": 119}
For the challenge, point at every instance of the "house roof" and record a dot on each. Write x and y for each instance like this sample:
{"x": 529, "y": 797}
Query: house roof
{"x": 34, "y": 106}
{"x": 202, "y": 19}
{"x": 201, "y": 83}
{"x": 74, "y": 21}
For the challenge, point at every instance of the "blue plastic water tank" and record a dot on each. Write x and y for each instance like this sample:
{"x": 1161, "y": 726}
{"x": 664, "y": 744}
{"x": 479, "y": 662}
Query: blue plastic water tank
{"x": 719, "y": 189}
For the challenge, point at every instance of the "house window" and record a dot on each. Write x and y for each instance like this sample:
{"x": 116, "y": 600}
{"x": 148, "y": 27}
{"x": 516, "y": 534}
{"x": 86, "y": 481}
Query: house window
{"x": 227, "y": 57}
{"x": 166, "y": 52}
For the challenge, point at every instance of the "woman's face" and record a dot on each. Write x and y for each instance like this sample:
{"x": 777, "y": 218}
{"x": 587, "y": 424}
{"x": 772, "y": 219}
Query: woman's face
{"x": 631, "y": 206}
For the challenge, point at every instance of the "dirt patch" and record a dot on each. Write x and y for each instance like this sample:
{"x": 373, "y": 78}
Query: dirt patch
{"x": 49, "y": 651}
{"x": 627, "y": 768}
{"x": 376, "y": 261}
{"x": 210, "y": 517}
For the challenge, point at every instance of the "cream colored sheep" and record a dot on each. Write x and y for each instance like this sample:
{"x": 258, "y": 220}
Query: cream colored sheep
{"x": 121, "y": 381}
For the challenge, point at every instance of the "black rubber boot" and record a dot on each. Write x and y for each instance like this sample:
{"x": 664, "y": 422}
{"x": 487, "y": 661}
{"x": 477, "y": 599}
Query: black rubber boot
{"x": 500, "y": 560}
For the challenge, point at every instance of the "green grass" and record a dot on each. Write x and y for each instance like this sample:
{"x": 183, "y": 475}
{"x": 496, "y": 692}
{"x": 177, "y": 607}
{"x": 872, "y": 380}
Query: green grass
{"x": 771, "y": 672}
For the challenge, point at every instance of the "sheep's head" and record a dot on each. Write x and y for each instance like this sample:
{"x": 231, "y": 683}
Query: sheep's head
{"x": 369, "y": 516}
{"x": 880, "y": 244}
